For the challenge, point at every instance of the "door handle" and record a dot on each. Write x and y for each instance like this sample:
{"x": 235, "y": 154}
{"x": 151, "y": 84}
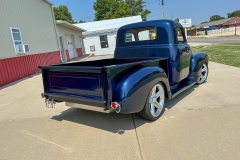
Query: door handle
{"x": 181, "y": 52}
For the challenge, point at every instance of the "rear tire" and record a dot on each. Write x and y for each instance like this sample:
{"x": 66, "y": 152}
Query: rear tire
{"x": 154, "y": 107}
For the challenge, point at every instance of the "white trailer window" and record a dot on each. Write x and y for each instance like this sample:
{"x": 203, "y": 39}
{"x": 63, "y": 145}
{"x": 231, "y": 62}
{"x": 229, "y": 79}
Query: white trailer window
{"x": 17, "y": 38}
{"x": 103, "y": 41}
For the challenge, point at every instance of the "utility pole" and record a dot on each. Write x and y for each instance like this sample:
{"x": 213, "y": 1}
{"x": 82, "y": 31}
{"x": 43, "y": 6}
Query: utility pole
{"x": 163, "y": 9}
{"x": 196, "y": 27}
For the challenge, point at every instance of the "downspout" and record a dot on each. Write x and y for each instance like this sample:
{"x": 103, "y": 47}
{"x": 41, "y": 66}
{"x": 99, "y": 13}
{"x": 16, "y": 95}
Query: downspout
{"x": 55, "y": 27}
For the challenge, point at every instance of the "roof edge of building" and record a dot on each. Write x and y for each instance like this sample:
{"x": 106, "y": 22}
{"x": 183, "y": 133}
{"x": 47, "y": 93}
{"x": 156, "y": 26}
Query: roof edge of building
{"x": 68, "y": 25}
{"x": 101, "y": 31}
{"x": 105, "y": 20}
{"x": 109, "y": 20}
{"x": 212, "y": 23}
{"x": 230, "y": 20}
{"x": 48, "y": 2}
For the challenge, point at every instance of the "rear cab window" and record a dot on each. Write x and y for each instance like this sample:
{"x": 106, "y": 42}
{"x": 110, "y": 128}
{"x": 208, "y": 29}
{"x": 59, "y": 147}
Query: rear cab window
{"x": 141, "y": 34}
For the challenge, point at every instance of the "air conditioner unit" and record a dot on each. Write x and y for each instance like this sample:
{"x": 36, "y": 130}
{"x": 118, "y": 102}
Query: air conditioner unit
{"x": 22, "y": 48}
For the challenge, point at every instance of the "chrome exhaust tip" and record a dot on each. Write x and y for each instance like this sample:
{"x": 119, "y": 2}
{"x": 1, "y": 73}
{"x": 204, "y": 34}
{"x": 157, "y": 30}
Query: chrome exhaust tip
{"x": 116, "y": 107}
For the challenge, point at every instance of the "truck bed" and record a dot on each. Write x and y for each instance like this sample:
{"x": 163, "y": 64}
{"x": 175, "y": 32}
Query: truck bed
{"x": 90, "y": 83}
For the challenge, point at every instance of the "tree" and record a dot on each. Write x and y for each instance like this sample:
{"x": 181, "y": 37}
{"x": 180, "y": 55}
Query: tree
{"x": 204, "y": 22}
{"x": 234, "y": 14}
{"x": 81, "y": 21}
{"x": 61, "y": 13}
{"x": 136, "y": 7}
{"x": 117, "y": 9}
{"x": 176, "y": 19}
{"x": 109, "y": 9}
{"x": 144, "y": 14}
{"x": 216, "y": 18}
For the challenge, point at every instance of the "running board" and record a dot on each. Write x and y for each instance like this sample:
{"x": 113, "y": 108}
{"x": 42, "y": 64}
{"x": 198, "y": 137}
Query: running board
{"x": 182, "y": 88}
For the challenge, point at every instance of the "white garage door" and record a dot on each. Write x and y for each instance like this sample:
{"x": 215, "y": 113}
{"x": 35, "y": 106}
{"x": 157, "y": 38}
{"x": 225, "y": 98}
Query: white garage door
{"x": 70, "y": 47}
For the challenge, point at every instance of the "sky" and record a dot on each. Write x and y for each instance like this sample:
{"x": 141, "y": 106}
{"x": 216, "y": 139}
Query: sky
{"x": 197, "y": 10}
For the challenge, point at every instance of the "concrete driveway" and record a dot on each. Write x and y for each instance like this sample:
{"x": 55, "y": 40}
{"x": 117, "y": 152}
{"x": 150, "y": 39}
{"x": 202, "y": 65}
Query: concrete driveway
{"x": 201, "y": 123}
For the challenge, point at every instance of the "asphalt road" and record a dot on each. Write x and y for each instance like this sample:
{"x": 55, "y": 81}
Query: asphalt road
{"x": 215, "y": 40}
{"x": 200, "y": 123}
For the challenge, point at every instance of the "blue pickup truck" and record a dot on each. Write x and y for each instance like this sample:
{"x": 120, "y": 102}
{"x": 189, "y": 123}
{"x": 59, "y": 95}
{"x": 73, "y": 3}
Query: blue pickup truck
{"x": 152, "y": 61}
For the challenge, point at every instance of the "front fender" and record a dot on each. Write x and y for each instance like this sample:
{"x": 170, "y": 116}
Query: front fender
{"x": 197, "y": 61}
{"x": 132, "y": 91}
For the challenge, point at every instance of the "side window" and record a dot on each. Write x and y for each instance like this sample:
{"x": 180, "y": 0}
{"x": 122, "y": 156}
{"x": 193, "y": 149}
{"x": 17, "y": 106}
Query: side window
{"x": 129, "y": 37}
{"x": 103, "y": 41}
{"x": 17, "y": 38}
{"x": 141, "y": 34}
{"x": 180, "y": 35}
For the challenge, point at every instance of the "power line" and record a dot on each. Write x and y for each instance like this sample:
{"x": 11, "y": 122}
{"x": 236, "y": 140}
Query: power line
{"x": 169, "y": 11}
{"x": 151, "y": 2}
{"x": 154, "y": 15}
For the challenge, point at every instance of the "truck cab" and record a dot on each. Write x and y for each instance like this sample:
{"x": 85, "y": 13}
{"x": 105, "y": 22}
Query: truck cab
{"x": 152, "y": 62}
{"x": 170, "y": 42}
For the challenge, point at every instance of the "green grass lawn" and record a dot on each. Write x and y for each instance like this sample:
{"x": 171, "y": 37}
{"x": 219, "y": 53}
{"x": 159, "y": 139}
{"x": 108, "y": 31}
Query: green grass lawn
{"x": 228, "y": 54}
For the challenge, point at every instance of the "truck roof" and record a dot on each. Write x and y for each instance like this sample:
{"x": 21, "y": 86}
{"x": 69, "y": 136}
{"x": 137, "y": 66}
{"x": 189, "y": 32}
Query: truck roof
{"x": 157, "y": 23}
{"x": 165, "y": 32}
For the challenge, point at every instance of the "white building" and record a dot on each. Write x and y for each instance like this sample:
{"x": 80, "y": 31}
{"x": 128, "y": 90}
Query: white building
{"x": 100, "y": 37}
{"x": 70, "y": 40}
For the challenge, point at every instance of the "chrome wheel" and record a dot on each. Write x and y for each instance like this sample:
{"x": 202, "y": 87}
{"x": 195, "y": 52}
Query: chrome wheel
{"x": 204, "y": 74}
{"x": 156, "y": 100}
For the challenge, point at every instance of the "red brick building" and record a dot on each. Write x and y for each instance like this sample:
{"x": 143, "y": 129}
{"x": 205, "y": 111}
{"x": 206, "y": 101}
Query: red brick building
{"x": 224, "y": 23}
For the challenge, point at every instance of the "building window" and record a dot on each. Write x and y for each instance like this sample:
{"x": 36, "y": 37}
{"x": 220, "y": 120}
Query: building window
{"x": 141, "y": 34}
{"x": 103, "y": 41}
{"x": 17, "y": 38}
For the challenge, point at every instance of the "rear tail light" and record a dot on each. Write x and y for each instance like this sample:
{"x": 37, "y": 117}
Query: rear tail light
{"x": 114, "y": 105}
{"x": 42, "y": 94}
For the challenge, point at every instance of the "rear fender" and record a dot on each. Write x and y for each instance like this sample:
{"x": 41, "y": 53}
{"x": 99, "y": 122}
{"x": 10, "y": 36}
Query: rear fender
{"x": 197, "y": 61}
{"x": 132, "y": 91}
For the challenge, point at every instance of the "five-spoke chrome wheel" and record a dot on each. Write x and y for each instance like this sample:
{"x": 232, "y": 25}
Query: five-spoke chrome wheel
{"x": 156, "y": 100}
{"x": 204, "y": 74}
{"x": 154, "y": 106}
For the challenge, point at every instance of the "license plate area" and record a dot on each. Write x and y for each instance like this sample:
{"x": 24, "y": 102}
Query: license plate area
{"x": 75, "y": 84}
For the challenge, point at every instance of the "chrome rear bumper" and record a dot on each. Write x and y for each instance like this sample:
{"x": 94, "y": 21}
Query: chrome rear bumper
{"x": 88, "y": 107}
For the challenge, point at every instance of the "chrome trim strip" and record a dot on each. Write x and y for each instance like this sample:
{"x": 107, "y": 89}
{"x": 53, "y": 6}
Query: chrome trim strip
{"x": 88, "y": 107}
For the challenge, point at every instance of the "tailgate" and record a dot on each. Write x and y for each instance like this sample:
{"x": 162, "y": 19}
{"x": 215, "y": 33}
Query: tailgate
{"x": 74, "y": 84}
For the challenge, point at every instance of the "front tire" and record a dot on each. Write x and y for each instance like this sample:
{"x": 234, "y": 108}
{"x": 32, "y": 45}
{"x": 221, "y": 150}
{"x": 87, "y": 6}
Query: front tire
{"x": 154, "y": 106}
{"x": 204, "y": 74}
